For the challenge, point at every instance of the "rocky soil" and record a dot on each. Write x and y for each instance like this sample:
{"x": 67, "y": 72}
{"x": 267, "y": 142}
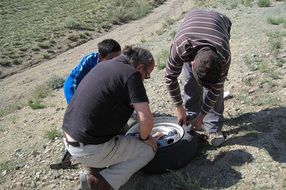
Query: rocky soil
{"x": 253, "y": 156}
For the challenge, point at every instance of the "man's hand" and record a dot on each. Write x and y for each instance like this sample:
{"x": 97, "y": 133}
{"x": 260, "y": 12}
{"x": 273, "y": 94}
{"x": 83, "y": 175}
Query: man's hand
{"x": 152, "y": 142}
{"x": 197, "y": 124}
{"x": 181, "y": 115}
{"x": 158, "y": 135}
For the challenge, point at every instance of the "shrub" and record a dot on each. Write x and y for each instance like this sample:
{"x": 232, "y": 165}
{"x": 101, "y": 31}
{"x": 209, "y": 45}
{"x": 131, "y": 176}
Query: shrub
{"x": 125, "y": 10}
{"x": 162, "y": 58}
{"x": 44, "y": 45}
{"x": 52, "y": 134}
{"x": 276, "y": 21}
{"x": 263, "y": 3}
{"x": 55, "y": 82}
{"x": 73, "y": 38}
{"x": 5, "y": 62}
{"x": 140, "y": 9}
{"x": 246, "y": 3}
{"x": 46, "y": 56}
{"x": 72, "y": 24}
{"x": 35, "y": 104}
{"x": 276, "y": 45}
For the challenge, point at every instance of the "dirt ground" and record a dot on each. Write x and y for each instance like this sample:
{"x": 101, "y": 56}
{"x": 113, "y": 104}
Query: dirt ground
{"x": 253, "y": 156}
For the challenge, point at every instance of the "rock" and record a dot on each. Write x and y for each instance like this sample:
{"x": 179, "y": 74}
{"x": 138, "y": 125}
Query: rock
{"x": 4, "y": 173}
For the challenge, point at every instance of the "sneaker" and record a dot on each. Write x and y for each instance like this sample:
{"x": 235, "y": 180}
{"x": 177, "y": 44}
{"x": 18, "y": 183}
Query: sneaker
{"x": 215, "y": 139}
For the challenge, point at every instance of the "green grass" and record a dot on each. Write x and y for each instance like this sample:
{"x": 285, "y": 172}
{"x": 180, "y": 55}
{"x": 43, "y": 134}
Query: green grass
{"x": 43, "y": 90}
{"x": 250, "y": 62}
{"x": 263, "y": 99}
{"x": 246, "y": 3}
{"x": 248, "y": 81}
{"x": 55, "y": 82}
{"x": 161, "y": 58}
{"x": 263, "y": 3}
{"x": 183, "y": 181}
{"x": 35, "y": 26}
{"x": 36, "y": 104}
{"x": 2, "y": 129}
{"x": 52, "y": 134}
{"x": 276, "y": 21}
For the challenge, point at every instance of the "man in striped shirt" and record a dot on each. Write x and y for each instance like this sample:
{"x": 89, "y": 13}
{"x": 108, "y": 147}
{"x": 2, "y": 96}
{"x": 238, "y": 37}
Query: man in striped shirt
{"x": 201, "y": 51}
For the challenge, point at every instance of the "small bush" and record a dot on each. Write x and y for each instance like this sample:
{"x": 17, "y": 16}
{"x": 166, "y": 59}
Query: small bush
{"x": 2, "y": 129}
{"x": 263, "y": 67}
{"x": 158, "y": 2}
{"x": 263, "y": 3}
{"x": 55, "y": 82}
{"x": 72, "y": 24}
{"x": 246, "y": 3}
{"x": 41, "y": 92}
{"x": 5, "y": 62}
{"x": 52, "y": 134}
{"x": 46, "y": 56}
{"x": 36, "y": 49}
{"x": 141, "y": 8}
{"x": 125, "y": 10}
{"x": 162, "y": 58}
{"x": 248, "y": 60}
{"x": 233, "y": 5}
{"x": 16, "y": 62}
{"x": 173, "y": 34}
{"x": 73, "y": 38}
{"x": 82, "y": 36}
{"x": 276, "y": 45}
{"x": 35, "y": 104}
{"x": 44, "y": 45}
{"x": 276, "y": 21}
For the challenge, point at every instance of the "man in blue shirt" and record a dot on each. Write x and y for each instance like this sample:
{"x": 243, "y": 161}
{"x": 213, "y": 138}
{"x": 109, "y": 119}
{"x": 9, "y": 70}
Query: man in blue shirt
{"x": 107, "y": 49}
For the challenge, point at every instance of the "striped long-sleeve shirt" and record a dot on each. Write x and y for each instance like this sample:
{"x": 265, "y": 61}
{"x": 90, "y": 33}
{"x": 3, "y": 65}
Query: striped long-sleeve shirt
{"x": 200, "y": 28}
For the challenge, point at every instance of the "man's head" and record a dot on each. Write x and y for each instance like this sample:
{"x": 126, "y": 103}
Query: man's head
{"x": 141, "y": 59}
{"x": 108, "y": 49}
{"x": 207, "y": 67}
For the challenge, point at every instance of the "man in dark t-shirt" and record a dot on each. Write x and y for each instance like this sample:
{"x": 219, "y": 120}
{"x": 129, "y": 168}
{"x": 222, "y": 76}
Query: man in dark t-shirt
{"x": 101, "y": 106}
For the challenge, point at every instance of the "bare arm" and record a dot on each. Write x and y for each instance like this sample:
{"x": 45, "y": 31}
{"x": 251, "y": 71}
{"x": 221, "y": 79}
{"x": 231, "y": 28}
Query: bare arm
{"x": 145, "y": 118}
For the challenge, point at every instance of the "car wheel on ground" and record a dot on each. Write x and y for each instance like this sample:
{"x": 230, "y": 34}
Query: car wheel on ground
{"x": 176, "y": 148}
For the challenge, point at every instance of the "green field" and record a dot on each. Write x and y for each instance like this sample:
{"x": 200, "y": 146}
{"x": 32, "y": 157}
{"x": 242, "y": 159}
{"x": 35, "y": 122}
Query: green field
{"x": 34, "y": 30}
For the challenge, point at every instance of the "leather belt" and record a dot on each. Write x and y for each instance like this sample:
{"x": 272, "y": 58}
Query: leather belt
{"x": 73, "y": 143}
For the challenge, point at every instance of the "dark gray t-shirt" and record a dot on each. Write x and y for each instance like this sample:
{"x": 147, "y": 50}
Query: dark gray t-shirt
{"x": 102, "y": 102}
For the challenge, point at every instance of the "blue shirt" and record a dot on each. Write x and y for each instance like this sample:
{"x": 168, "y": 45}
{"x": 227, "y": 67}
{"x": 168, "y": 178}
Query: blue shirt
{"x": 78, "y": 73}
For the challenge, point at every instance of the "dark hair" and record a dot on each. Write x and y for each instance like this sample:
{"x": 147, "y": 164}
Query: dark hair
{"x": 108, "y": 46}
{"x": 137, "y": 55}
{"x": 208, "y": 65}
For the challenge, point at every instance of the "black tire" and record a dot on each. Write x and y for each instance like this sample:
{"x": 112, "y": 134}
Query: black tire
{"x": 175, "y": 155}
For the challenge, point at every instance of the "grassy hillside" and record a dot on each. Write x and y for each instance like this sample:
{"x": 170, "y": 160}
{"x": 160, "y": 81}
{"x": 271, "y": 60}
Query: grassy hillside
{"x": 35, "y": 30}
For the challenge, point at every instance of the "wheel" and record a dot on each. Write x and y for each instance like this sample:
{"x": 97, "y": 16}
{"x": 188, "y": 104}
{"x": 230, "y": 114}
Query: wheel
{"x": 176, "y": 148}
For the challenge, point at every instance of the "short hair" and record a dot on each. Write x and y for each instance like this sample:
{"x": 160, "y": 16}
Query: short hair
{"x": 108, "y": 46}
{"x": 208, "y": 65}
{"x": 137, "y": 55}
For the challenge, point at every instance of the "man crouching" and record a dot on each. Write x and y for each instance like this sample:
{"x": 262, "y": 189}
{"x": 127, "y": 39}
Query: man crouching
{"x": 101, "y": 106}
